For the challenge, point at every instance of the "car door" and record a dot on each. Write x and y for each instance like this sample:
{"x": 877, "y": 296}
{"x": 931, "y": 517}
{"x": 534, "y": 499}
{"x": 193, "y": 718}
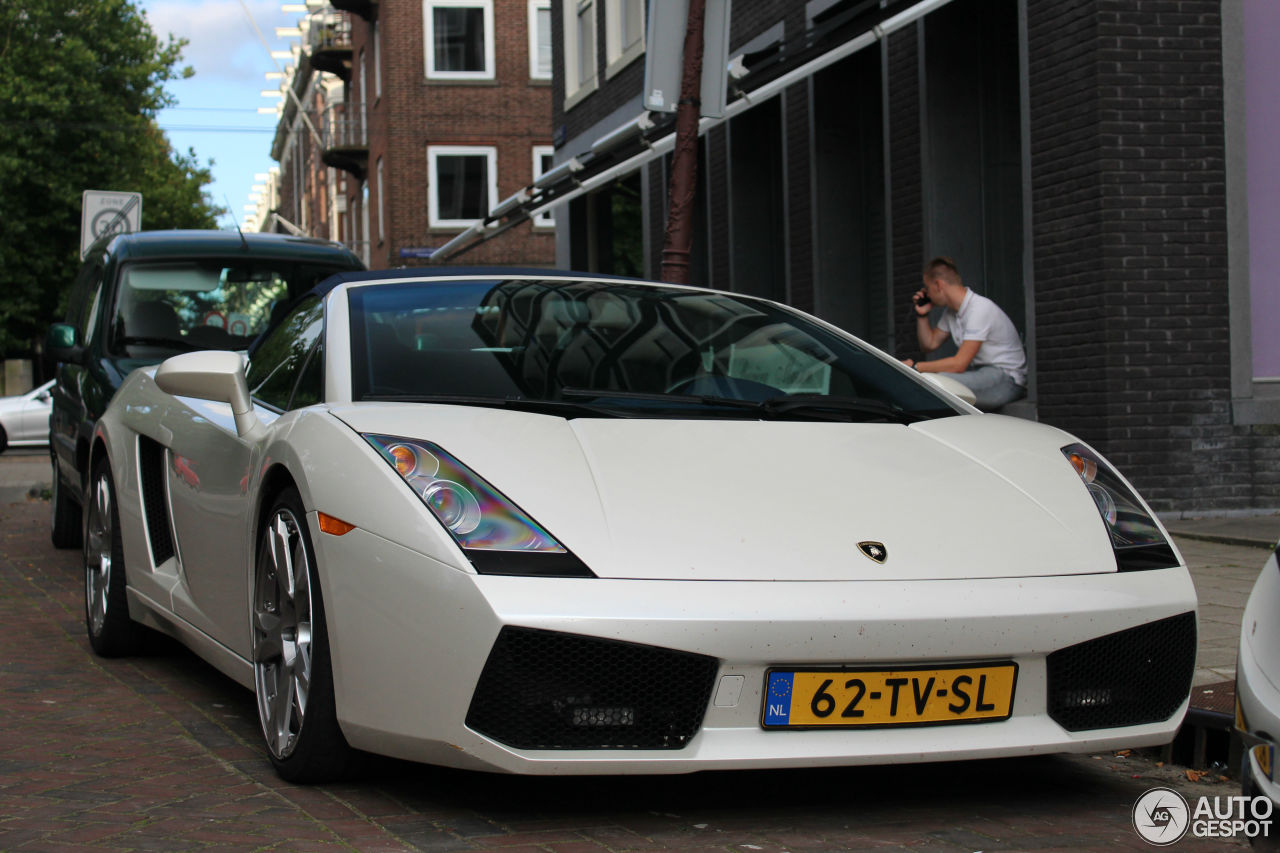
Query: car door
{"x": 67, "y": 416}
{"x": 209, "y": 470}
{"x": 34, "y": 418}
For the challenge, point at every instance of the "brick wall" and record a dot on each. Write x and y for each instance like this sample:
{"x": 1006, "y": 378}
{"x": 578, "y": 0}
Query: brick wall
{"x": 511, "y": 114}
{"x": 1128, "y": 171}
{"x": 903, "y": 115}
{"x": 1067, "y": 216}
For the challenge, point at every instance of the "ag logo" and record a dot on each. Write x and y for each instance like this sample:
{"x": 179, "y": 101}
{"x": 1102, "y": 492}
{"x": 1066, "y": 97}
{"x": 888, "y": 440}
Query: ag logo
{"x": 874, "y": 550}
{"x": 1161, "y": 816}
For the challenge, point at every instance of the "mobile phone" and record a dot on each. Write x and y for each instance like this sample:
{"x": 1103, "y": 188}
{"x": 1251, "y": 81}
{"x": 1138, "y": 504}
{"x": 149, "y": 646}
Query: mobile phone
{"x": 922, "y": 300}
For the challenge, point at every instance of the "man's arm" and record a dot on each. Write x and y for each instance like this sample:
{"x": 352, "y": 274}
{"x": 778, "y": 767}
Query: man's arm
{"x": 957, "y": 363}
{"x": 927, "y": 336}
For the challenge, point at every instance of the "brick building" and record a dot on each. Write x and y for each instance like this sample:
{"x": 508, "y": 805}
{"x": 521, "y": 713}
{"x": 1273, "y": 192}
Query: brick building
{"x": 1087, "y": 162}
{"x": 418, "y": 117}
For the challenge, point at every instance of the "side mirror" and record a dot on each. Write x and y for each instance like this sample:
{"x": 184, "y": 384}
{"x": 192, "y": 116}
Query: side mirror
{"x": 62, "y": 343}
{"x": 215, "y": 375}
{"x": 953, "y": 386}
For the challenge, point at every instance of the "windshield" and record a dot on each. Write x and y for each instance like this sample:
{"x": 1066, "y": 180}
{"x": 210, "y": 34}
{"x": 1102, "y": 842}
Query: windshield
{"x": 643, "y": 350}
{"x": 162, "y": 308}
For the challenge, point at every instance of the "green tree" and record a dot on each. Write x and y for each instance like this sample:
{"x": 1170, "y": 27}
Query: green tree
{"x": 81, "y": 82}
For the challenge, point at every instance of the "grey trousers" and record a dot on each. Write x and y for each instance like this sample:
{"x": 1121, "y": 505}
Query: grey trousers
{"x": 991, "y": 385}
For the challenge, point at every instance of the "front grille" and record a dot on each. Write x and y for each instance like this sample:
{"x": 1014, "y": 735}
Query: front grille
{"x": 154, "y": 505}
{"x": 1141, "y": 675}
{"x": 548, "y": 690}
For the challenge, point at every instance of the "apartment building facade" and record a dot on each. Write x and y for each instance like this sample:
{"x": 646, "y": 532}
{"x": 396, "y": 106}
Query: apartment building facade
{"x": 416, "y": 118}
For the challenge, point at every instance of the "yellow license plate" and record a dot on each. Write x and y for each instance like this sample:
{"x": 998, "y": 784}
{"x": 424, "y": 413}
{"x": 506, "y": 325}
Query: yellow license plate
{"x": 973, "y": 693}
{"x": 1265, "y": 753}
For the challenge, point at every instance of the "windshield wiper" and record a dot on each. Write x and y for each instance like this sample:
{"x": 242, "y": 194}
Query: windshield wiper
{"x": 701, "y": 399}
{"x": 521, "y": 404}
{"x": 808, "y": 406}
{"x": 837, "y": 408}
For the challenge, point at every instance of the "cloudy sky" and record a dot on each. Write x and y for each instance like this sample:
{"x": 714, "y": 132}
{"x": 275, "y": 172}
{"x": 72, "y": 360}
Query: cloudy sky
{"x": 217, "y": 109}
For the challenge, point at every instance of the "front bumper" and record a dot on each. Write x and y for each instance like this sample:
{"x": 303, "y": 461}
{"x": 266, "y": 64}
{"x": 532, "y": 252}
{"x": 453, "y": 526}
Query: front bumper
{"x": 1257, "y": 697}
{"x": 411, "y": 638}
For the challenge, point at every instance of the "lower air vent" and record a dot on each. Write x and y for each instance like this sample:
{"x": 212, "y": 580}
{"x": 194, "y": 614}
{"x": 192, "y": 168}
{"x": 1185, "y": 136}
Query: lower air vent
{"x": 547, "y": 690}
{"x": 154, "y": 503}
{"x": 1132, "y": 677}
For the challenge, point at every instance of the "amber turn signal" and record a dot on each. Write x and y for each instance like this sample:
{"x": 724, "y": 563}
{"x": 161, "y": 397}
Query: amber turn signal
{"x": 1085, "y": 467}
{"x": 406, "y": 459}
{"x": 334, "y": 526}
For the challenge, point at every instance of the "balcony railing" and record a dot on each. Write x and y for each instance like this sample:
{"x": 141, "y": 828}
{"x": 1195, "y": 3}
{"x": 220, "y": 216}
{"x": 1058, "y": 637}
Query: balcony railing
{"x": 343, "y": 130}
{"x": 329, "y": 43}
{"x": 345, "y": 140}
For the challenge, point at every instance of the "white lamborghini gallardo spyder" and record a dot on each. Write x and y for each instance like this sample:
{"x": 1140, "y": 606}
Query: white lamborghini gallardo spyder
{"x": 552, "y": 523}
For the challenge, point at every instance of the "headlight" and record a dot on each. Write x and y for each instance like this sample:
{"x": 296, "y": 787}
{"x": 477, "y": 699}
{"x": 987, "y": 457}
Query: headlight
{"x": 1135, "y": 538}
{"x": 496, "y": 535}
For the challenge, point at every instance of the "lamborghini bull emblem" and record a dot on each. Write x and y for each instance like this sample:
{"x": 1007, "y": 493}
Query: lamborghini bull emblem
{"x": 874, "y": 550}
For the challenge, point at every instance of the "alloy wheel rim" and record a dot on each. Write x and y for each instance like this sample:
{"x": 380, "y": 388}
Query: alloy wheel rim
{"x": 282, "y": 633}
{"x": 97, "y": 555}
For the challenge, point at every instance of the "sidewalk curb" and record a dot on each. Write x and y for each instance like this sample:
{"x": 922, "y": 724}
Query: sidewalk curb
{"x": 1222, "y": 539}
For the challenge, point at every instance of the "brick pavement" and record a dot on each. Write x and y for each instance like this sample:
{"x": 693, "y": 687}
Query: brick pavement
{"x": 161, "y": 752}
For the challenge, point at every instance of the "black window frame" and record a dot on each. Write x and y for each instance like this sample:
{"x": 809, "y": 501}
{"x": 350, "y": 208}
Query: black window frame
{"x": 305, "y": 303}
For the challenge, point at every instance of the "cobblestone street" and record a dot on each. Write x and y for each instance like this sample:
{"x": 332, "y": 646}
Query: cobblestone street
{"x": 161, "y": 752}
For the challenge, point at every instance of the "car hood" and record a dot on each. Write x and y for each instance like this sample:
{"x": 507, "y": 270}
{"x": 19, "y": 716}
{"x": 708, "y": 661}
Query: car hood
{"x": 959, "y": 497}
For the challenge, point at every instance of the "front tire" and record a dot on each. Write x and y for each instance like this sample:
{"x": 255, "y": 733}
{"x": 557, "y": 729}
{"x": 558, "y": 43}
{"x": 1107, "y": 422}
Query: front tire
{"x": 292, "y": 674}
{"x": 64, "y": 525}
{"x": 106, "y": 607}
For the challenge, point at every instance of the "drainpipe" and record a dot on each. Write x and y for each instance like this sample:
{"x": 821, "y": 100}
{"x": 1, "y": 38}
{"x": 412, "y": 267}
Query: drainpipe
{"x": 684, "y": 165}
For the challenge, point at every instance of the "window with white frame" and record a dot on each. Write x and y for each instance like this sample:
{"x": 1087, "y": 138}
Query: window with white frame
{"x": 540, "y": 39}
{"x": 624, "y": 33}
{"x": 382, "y": 207}
{"x": 463, "y": 184}
{"x": 377, "y": 61}
{"x": 459, "y": 39}
{"x": 364, "y": 222}
{"x": 543, "y": 158}
{"x": 579, "y": 50}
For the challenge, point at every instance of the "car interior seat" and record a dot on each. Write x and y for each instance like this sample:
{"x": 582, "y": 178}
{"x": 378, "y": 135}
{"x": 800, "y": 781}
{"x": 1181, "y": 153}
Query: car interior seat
{"x": 153, "y": 319}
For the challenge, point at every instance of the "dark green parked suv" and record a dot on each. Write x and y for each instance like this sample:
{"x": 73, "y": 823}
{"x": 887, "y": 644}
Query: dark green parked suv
{"x": 140, "y": 298}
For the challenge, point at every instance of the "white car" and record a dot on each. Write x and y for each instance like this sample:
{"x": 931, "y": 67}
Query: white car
{"x": 549, "y": 523}
{"x": 1258, "y": 686}
{"x": 24, "y": 419}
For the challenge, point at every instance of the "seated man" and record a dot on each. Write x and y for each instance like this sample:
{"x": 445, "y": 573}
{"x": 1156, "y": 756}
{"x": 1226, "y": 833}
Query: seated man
{"x": 989, "y": 360}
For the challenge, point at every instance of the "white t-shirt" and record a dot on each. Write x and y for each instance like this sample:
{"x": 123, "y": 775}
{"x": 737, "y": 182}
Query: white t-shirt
{"x": 980, "y": 319}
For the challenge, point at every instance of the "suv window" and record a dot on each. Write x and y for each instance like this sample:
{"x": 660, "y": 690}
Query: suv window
{"x": 82, "y": 307}
{"x": 277, "y": 362}
{"x": 201, "y": 305}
